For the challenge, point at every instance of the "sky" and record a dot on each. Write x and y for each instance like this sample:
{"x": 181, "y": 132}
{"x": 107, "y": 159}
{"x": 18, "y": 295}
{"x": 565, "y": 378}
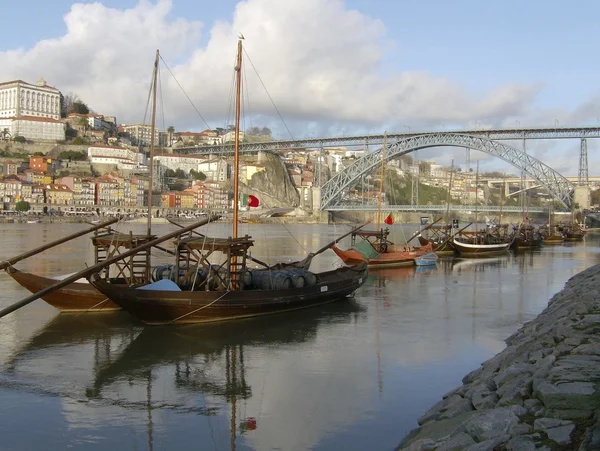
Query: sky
{"x": 326, "y": 67}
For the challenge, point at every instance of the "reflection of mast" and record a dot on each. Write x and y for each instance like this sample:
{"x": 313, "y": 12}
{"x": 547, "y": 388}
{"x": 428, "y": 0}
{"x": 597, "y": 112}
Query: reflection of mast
{"x": 233, "y": 387}
{"x": 149, "y": 407}
{"x": 378, "y": 344}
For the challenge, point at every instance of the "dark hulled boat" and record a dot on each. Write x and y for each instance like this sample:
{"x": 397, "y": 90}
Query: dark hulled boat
{"x": 76, "y": 297}
{"x": 211, "y": 280}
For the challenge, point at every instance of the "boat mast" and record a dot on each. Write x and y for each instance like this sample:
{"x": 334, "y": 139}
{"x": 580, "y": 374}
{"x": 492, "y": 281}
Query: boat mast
{"x": 381, "y": 176}
{"x": 151, "y": 157}
{"x": 449, "y": 197}
{"x": 476, "y": 202}
{"x": 236, "y": 156}
{"x": 151, "y": 161}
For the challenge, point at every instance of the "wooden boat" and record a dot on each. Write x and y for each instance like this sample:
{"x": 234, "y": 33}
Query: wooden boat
{"x": 211, "y": 280}
{"x": 467, "y": 249}
{"x": 429, "y": 259}
{"x": 374, "y": 248}
{"x": 78, "y": 296}
{"x": 527, "y": 237}
{"x": 443, "y": 247}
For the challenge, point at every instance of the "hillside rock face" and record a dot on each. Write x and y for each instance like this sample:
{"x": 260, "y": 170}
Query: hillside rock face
{"x": 276, "y": 182}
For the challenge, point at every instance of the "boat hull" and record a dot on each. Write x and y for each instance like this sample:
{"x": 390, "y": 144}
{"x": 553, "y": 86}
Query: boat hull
{"x": 75, "y": 297}
{"x": 189, "y": 307}
{"x": 444, "y": 249}
{"x": 480, "y": 250}
{"x": 384, "y": 260}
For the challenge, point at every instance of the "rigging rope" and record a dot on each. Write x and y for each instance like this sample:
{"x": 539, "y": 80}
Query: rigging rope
{"x": 269, "y": 95}
{"x": 184, "y": 93}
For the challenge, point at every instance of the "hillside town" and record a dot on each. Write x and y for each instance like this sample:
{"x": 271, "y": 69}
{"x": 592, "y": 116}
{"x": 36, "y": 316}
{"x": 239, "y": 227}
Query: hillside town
{"x": 88, "y": 161}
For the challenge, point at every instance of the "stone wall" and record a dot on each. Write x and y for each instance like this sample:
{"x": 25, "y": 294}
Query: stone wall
{"x": 541, "y": 392}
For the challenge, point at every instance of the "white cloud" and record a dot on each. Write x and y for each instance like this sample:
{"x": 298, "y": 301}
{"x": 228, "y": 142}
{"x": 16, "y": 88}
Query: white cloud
{"x": 320, "y": 61}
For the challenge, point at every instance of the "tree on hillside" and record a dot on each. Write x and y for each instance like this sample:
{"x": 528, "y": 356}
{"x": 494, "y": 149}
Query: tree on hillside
{"x": 258, "y": 131}
{"x": 22, "y": 205}
{"x": 170, "y": 131}
{"x": 197, "y": 175}
{"x": 71, "y": 103}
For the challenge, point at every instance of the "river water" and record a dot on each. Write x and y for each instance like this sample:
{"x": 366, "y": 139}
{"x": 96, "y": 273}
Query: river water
{"x": 353, "y": 375}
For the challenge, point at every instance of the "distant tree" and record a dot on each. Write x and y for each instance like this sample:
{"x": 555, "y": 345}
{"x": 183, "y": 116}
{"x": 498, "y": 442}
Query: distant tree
{"x": 83, "y": 122}
{"x": 170, "y": 131}
{"x": 71, "y": 103}
{"x": 5, "y": 134}
{"x": 169, "y": 173}
{"x": 220, "y": 130}
{"x": 38, "y": 154}
{"x": 72, "y": 155}
{"x": 258, "y": 131}
{"x": 180, "y": 174}
{"x": 22, "y": 205}
{"x": 20, "y": 139}
{"x": 196, "y": 175}
{"x": 78, "y": 140}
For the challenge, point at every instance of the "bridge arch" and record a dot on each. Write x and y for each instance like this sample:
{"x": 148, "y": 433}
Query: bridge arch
{"x": 558, "y": 186}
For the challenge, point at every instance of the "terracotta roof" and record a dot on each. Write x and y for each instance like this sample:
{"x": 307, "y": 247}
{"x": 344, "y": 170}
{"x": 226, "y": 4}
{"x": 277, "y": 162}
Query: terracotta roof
{"x": 36, "y": 119}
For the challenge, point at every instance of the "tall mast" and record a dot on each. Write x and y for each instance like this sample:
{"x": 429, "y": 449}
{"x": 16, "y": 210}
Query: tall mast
{"x": 236, "y": 157}
{"x": 151, "y": 162}
{"x": 151, "y": 157}
{"x": 476, "y": 200}
{"x": 449, "y": 197}
{"x": 381, "y": 177}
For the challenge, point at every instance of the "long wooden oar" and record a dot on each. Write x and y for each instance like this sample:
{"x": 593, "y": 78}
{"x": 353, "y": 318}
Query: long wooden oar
{"x": 98, "y": 266}
{"x": 422, "y": 230}
{"x": 11, "y": 261}
{"x": 327, "y": 246}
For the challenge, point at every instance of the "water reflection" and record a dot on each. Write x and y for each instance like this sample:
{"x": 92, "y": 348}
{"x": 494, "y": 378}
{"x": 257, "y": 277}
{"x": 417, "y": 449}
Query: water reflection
{"x": 347, "y": 376}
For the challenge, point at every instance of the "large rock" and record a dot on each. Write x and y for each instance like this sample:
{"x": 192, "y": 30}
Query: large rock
{"x": 489, "y": 424}
{"x": 567, "y": 396}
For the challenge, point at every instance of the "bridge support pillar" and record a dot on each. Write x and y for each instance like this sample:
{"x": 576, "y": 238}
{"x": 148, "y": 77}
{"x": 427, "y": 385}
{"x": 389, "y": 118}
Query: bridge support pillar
{"x": 582, "y": 196}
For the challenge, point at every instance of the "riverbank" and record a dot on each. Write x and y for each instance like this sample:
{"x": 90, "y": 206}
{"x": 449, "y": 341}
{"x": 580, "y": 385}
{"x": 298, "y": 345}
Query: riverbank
{"x": 541, "y": 392}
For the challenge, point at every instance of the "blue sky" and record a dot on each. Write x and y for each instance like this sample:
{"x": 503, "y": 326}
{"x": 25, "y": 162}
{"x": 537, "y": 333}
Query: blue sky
{"x": 349, "y": 66}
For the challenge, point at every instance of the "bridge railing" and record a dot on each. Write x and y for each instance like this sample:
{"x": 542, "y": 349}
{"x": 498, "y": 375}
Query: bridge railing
{"x": 440, "y": 208}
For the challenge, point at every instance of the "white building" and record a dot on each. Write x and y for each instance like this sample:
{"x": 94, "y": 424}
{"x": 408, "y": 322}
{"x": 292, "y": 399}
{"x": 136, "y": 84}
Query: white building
{"x": 183, "y": 162}
{"x": 217, "y": 169}
{"x": 140, "y": 134}
{"x": 31, "y": 111}
{"x": 122, "y": 157}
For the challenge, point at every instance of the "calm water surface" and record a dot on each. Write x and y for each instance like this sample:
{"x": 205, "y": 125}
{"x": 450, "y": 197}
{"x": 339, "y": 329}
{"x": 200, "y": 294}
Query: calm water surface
{"x": 353, "y": 375}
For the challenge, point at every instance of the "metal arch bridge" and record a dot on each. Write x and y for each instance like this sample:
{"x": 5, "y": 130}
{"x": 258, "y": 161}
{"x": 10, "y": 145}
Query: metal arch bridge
{"x": 558, "y": 186}
{"x": 366, "y": 140}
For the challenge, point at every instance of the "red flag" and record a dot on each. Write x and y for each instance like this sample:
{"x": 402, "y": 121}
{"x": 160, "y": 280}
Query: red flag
{"x": 389, "y": 220}
{"x": 253, "y": 201}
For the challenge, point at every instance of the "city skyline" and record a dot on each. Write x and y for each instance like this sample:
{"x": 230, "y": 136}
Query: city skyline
{"x": 342, "y": 68}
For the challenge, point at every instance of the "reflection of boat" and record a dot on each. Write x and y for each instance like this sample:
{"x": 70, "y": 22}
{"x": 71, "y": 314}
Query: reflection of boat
{"x": 427, "y": 259}
{"x": 216, "y": 283}
{"x": 160, "y": 346}
{"x": 473, "y": 264}
{"x": 70, "y": 330}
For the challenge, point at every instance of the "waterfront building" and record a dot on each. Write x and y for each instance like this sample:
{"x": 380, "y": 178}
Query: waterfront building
{"x": 57, "y": 194}
{"x": 31, "y": 111}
